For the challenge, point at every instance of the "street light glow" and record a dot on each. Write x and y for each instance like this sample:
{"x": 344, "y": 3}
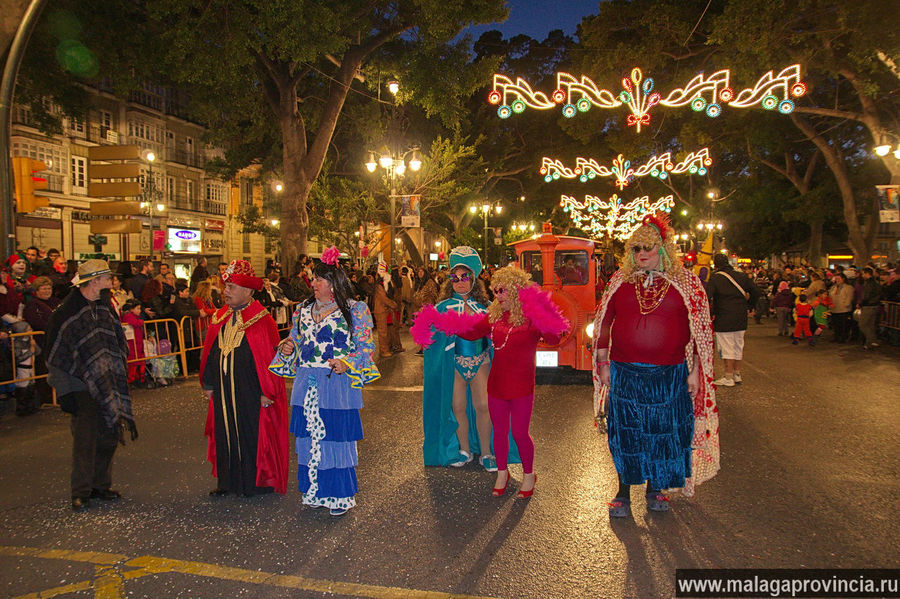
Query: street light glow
{"x": 160, "y": 207}
{"x": 393, "y": 87}
{"x": 415, "y": 161}
{"x": 150, "y": 156}
{"x": 437, "y": 244}
{"x": 473, "y": 209}
{"x": 684, "y": 213}
{"x": 279, "y": 187}
{"x": 370, "y": 162}
{"x": 883, "y": 149}
{"x": 386, "y": 161}
{"x": 274, "y": 222}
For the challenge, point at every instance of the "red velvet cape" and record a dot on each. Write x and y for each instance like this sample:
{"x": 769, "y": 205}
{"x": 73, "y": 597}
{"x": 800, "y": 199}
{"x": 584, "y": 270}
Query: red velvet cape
{"x": 272, "y": 447}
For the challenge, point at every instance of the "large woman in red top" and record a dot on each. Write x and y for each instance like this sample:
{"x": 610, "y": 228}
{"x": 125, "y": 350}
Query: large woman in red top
{"x": 520, "y": 316}
{"x": 653, "y": 352}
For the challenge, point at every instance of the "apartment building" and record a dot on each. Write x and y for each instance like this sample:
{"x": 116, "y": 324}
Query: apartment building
{"x": 187, "y": 213}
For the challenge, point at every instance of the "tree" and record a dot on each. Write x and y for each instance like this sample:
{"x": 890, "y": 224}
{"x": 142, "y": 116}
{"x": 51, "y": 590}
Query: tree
{"x": 284, "y": 68}
{"x": 847, "y": 52}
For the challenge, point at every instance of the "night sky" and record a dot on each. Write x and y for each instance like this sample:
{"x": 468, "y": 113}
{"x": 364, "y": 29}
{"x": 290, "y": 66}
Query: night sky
{"x": 536, "y": 18}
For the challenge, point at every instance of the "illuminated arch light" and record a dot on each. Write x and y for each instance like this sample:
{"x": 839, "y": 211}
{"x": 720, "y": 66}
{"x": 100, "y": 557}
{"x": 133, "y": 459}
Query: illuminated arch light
{"x": 612, "y": 217}
{"x": 660, "y": 166}
{"x": 702, "y": 93}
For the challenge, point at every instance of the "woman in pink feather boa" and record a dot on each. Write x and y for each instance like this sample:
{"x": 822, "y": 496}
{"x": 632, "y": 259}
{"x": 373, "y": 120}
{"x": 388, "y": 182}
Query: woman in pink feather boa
{"x": 520, "y": 316}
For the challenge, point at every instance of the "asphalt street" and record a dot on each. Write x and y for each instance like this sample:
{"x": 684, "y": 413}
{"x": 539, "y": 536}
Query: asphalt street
{"x": 810, "y": 478}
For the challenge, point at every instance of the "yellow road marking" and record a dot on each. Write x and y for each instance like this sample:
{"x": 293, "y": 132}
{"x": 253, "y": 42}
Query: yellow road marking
{"x": 109, "y": 583}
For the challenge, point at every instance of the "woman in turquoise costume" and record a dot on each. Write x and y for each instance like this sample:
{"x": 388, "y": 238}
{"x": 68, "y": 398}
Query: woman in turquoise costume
{"x": 329, "y": 355}
{"x": 454, "y": 395}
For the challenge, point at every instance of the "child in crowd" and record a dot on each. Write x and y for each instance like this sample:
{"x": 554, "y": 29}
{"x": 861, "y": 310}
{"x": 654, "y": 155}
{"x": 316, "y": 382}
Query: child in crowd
{"x": 802, "y": 313}
{"x": 783, "y": 302}
{"x": 821, "y": 311}
{"x": 134, "y": 335}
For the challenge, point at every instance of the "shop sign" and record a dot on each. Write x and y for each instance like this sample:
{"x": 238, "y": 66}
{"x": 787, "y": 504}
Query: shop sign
{"x": 214, "y": 224}
{"x": 184, "y": 241}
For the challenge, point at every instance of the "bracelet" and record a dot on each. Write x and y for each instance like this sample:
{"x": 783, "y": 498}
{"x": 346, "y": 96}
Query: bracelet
{"x": 603, "y": 363}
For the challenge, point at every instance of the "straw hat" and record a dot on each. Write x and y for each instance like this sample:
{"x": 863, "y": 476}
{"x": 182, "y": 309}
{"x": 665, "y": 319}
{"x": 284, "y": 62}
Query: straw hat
{"x": 90, "y": 269}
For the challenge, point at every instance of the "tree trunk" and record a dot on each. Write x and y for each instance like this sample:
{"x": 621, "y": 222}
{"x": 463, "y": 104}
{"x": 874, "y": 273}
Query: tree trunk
{"x": 856, "y": 238}
{"x": 815, "y": 242}
{"x": 294, "y": 216}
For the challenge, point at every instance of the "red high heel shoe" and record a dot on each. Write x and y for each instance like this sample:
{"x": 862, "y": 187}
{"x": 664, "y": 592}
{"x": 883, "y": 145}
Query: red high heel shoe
{"x": 501, "y": 491}
{"x": 527, "y": 494}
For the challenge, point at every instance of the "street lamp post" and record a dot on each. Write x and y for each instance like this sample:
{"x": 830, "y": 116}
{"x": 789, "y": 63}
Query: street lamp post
{"x": 150, "y": 157}
{"x": 485, "y": 209}
{"x": 395, "y": 167}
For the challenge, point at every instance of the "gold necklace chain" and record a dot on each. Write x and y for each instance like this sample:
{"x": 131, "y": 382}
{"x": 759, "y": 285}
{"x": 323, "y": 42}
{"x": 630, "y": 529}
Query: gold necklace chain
{"x": 651, "y": 302}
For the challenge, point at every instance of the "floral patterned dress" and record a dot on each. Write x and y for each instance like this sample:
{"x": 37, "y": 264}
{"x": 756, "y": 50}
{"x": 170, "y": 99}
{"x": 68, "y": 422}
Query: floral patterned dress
{"x": 325, "y": 417}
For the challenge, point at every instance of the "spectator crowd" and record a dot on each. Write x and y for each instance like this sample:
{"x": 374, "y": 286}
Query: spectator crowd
{"x": 804, "y": 301}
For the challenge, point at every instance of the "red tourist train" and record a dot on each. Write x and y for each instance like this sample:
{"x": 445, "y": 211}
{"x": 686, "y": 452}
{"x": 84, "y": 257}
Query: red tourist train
{"x": 570, "y": 269}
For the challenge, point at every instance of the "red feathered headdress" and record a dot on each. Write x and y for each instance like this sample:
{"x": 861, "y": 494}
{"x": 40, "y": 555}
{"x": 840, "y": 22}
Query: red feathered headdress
{"x": 659, "y": 221}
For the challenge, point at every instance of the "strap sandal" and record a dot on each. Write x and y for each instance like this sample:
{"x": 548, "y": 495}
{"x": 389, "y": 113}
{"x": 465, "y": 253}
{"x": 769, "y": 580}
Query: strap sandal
{"x": 462, "y": 459}
{"x": 657, "y": 502}
{"x": 619, "y": 507}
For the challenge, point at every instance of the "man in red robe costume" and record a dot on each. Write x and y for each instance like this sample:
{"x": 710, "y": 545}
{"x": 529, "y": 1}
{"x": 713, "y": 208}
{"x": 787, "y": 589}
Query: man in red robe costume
{"x": 247, "y": 425}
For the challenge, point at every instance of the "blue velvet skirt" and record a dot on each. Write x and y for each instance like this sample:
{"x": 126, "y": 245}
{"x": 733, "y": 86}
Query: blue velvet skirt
{"x": 338, "y": 409}
{"x": 651, "y": 423}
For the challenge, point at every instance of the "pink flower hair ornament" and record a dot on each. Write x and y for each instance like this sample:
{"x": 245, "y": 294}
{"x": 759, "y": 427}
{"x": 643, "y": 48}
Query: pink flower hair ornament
{"x": 331, "y": 255}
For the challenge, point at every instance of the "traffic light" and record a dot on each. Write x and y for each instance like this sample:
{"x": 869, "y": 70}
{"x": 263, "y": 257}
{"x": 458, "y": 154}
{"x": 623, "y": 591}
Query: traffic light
{"x": 27, "y": 183}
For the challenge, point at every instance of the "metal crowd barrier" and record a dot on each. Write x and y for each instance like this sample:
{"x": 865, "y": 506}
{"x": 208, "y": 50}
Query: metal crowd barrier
{"x": 891, "y": 318}
{"x": 186, "y": 335}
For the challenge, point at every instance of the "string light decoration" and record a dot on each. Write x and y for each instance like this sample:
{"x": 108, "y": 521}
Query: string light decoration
{"x": 660, "y": 167}
{"x": 703, "y": 93}
{"x": 612, "y": 218}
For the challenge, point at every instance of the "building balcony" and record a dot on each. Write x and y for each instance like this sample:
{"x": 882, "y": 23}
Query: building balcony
{"x": 192, "y": 159}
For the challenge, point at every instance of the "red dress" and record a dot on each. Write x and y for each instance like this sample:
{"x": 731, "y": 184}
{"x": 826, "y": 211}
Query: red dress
{"x": 513, "y": 366}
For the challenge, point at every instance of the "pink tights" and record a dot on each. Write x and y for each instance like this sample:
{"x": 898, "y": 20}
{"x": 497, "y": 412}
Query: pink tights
{"x": 518, "y": 412}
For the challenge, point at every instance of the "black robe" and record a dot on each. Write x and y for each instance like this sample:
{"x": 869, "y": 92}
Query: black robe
{"x": 236, "y": 419}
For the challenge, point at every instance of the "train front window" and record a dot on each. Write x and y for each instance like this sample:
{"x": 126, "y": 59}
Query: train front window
{"x": 571, "y": 267}
{"x": 531, "y": 263}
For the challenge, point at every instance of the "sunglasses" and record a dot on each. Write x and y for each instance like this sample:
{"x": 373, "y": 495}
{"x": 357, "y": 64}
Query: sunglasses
{"x": 463, "y": 278}
{"x": 643, "y": 248}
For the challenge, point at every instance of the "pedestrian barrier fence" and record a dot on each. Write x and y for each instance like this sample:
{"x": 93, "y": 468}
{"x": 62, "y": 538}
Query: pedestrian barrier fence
{"x": 891, "y": 318}
{"x": 184, "y": 336}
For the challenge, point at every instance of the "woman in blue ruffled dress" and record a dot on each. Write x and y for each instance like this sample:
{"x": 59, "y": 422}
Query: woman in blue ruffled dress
{"x": 329, "y": 354}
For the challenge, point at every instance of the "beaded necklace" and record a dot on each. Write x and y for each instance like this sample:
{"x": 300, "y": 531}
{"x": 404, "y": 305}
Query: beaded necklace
{"x": 505, "y": 340}
{"x": 656, "y": 293}
{"x": 322, "y": 309}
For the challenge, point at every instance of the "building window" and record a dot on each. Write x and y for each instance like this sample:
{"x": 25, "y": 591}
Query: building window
{"x": 189, "y": 191}
{"x": 170, "y": 140}
{"x": 245, "y": 239}
{"x": 79, "y": 174}
{"x": 170, "y": 190}
{"x": 76, "y": 126}
{"x": 106, "y": 119}
{"x": 246, "y": 192}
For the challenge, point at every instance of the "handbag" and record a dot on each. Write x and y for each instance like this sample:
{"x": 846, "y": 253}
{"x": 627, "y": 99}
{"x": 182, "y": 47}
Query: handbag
{"x": 856, "y": 314}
